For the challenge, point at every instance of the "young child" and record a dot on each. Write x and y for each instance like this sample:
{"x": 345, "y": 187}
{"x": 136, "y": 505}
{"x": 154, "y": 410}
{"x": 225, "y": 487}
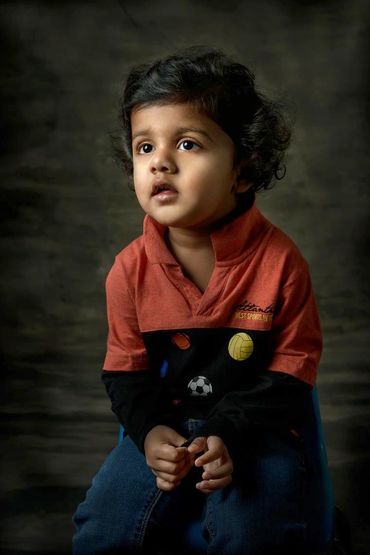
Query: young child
{"x": 214, "y": 336}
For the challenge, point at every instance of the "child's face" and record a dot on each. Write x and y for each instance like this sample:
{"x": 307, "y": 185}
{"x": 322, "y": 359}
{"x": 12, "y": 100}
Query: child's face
{"x": 184, "y": 170}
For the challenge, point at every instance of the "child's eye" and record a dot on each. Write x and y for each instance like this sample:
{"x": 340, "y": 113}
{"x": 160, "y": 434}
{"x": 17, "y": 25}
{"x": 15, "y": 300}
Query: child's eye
{"x": 145, "y": 148}
{"x": 188, "y": 145}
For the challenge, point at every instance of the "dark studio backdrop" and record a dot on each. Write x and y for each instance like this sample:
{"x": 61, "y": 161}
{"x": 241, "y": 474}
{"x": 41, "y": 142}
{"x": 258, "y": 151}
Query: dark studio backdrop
{"x": 66, "y": 211}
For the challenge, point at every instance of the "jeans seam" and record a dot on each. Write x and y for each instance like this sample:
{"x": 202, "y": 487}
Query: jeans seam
{"x": 208, "y": 524}
{"x": 144, "y": 522}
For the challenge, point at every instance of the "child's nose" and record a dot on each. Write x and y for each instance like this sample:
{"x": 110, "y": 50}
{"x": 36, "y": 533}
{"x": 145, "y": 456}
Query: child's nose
{"x": 162, "y": 161}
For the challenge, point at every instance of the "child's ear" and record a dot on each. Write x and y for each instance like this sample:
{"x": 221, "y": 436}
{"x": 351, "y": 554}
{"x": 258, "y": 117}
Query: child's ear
{"x": 241, "y": 186}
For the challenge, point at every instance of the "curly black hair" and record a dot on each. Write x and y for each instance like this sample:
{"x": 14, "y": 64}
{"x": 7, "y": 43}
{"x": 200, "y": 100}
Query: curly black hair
{"x": 222, "y": 89}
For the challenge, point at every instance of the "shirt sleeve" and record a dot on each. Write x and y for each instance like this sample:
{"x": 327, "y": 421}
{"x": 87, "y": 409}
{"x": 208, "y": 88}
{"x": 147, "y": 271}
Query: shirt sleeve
{"x": 125, "y": 347}
{"x": 132, "y": 382}
{"x": 296, "y": 340}
{"x": 275, "y": 403}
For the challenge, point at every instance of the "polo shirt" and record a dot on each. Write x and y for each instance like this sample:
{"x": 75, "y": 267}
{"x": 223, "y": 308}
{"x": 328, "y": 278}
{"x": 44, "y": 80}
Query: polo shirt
{"x": 257, "y": 314}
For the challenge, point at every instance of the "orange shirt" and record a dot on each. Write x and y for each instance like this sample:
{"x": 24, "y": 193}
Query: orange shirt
{"x": 258, "y": 311}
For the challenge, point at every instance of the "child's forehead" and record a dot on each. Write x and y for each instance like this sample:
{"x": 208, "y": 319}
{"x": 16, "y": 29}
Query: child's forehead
{"x": 167, "y": 117}
{"x": 172, "y": 109}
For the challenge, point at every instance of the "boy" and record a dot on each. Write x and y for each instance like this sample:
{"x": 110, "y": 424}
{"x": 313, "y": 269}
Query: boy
{"x": 224, "y": 298}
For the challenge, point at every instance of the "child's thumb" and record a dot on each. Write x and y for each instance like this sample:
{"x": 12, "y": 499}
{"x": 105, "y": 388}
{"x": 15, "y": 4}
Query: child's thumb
{"x": 198, "y": 444}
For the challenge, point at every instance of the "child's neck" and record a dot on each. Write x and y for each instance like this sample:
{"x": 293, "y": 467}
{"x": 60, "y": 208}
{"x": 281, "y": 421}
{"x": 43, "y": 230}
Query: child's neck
{"x": 194, "y": 252}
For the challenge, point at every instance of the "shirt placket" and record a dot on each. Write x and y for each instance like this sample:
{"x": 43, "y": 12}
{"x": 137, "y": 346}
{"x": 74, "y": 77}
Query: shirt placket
{"x": 198, "y": 302}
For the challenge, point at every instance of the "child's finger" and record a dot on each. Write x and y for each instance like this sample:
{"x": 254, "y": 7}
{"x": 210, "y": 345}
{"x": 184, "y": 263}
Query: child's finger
{"x": 197, "y": 445}
{"x": 172, "y": 478}
{"x": 218, "y": 472}
{"x": 208, "y": 486}
{"x": 170, "y": 453}
{"x": 216, "y": 449}
{"x": 164, "y": 485}
{"x": 210, "y": 456}
{"x": 168, "y": 467}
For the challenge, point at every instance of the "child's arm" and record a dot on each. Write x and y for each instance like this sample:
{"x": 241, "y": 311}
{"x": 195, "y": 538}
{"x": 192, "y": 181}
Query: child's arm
{"x": 277, "y": 399}
{"x": 139, "y": 402}
{"x": 134, "y": 386}
{"x": 169, "y": 461}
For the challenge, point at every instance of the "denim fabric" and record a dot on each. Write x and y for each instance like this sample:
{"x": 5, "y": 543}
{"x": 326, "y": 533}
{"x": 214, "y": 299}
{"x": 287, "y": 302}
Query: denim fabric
{"x": 260, "y": 513}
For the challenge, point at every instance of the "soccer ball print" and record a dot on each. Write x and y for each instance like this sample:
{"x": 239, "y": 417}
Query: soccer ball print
{"x": 200, "y": 386}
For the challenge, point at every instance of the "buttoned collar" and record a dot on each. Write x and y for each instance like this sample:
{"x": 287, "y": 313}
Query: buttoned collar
{"x": 232, "y": 242}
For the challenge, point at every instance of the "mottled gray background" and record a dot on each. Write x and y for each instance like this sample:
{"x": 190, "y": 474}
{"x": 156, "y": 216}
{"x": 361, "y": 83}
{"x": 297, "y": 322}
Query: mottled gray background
{"x": 66, "y": 211}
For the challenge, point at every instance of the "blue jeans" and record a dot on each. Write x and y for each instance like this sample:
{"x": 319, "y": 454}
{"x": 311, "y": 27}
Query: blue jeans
{"x": 260, "y": 513}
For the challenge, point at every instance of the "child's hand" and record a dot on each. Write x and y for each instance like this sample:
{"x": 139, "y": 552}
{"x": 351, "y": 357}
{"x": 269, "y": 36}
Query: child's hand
{"x": 169, "y": 462}
{"x": 216, "y": 461}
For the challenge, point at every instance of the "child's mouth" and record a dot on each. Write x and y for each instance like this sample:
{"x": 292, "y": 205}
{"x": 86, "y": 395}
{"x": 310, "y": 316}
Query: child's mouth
{"x": 163, "y": 191}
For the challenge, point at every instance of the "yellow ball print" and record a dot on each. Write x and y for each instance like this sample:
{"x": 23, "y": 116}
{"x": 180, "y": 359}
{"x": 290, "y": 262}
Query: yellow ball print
{"x": 240, "y": 346}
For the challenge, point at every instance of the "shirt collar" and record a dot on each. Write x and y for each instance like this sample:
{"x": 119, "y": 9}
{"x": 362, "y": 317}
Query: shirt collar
{"x": 232, "y": 242}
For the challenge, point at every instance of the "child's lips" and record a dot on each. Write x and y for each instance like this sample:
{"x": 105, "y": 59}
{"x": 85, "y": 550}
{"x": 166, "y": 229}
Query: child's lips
{"x": 163, "y": 191}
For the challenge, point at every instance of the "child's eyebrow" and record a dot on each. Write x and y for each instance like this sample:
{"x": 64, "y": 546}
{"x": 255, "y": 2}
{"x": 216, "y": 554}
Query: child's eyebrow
{"x": 179, "y": 130}
{"x": 195, "y": 130}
